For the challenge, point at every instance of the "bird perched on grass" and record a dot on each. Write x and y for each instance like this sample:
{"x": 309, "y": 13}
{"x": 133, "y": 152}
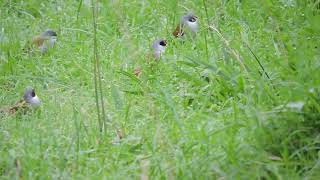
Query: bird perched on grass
{"x": 158, "y": 48}
{"x": 187, "y": 23}
{"x": 45, "y": 40}
{"x": 30, "y": 100}
{"x": 119, "y": 137}
{"x": 137, "y": 72}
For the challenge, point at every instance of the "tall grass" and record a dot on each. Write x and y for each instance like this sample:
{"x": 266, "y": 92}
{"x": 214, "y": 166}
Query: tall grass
{"x": 225, "y": 105}
{"x": 97, "y": 72}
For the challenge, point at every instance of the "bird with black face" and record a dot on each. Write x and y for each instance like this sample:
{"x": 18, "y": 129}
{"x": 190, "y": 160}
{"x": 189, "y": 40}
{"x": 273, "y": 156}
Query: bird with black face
{"x": 30, "y": 101}
{"x": 31, "y": 98}
{"x": 45, "y": 40}
{"x": 188, "y": 23}
{"x": 158, "y": 48}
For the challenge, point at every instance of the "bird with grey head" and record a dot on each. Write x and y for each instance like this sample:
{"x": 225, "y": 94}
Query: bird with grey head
{"x": 45, "y": 40}
{"x": 30, "y": 101}
{"x": 188, "y": 23}
{"x": 158, "y": 48}
{"x": 31, "y": 98}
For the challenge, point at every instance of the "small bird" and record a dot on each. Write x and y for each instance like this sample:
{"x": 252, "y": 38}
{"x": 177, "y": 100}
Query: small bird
{"x": 119, "y": 137}
{"x": 138, "y": 71}
{"x": 188, "y": 22}
{"x": 30, "y": 100}
{"x": 45, "y": 40}
{"x": 158, "y": 48}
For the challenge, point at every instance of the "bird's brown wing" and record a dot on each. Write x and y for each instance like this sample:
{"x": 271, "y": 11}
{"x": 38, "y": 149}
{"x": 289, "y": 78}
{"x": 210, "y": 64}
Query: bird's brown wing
{"x": 38, "y": 41}
{"x": 179, "y": 31}
{"x": 21, "y": 105}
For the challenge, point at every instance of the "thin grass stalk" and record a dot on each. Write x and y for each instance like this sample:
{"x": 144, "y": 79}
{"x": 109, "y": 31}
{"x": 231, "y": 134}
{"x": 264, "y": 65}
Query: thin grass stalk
{"x": 261, "y": 66}
{"x": 95, "y": 65}
{"x": 206, "y": 32}
{"x": 258, "y": 61}
{"x": 206, "y": 42}
{"x": 99, "y": 74}
{"x": 79, "y": 8}
{"x": 77, "y": 127}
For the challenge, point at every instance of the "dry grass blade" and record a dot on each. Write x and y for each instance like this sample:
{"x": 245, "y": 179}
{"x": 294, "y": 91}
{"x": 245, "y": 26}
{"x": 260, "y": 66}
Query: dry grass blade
{"x": 233, "y": 52}
{"x": 144, "y": 165}
{"x": 18, "y": 168}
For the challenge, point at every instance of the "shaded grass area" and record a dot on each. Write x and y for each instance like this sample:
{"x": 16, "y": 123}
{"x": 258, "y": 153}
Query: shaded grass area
{"x": 232, "y": 123}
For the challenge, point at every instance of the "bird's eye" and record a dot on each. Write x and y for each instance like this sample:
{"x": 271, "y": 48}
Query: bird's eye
{"x": 163, "y": 43}
{"x": 52, "y": 33}
{"x": 33, "y": 94}
{"x": 192, "y": 19}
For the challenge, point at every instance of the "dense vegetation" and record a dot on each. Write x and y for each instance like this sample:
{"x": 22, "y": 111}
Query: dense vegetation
{"x": 240, "y": 101}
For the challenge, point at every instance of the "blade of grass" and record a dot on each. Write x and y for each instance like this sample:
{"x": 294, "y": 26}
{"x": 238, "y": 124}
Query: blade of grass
{"x": 78, "y": 10}
{"x": 97, "y": 73}
{"x": 258, "y": 61}
{"x": 233, "y": 52}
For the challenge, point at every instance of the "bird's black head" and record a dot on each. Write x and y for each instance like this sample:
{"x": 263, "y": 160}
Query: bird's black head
{"x": 49, "y": 32}
{"x": 192, "y": 18}
{"x": 29, "y": 94}
{"x": 163, "y": 43}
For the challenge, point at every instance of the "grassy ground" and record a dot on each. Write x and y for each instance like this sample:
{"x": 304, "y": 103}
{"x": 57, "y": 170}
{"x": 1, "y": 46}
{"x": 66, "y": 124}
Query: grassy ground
{"x": 239, "y": 125}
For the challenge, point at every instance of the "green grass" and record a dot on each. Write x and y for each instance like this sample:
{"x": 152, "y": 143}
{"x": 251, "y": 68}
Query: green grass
{"x": 176, "y": 123}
